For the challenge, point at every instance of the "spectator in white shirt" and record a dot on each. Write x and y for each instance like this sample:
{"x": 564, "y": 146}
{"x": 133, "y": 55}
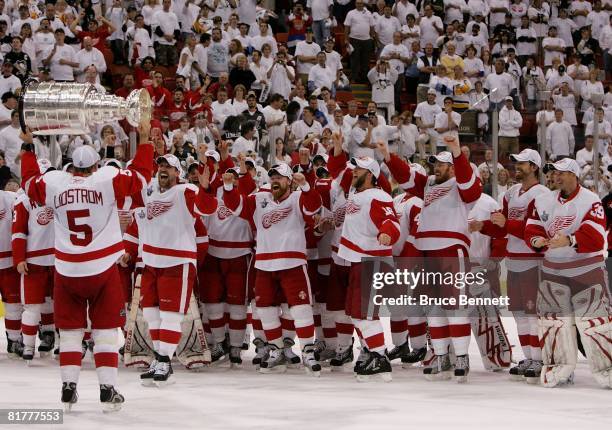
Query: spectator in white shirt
{"x": 306, "y": 55}
{"x": 386, "y": 25}
{"x": 306, "y": 126}
{"x": 425, "y": 116}
{"x": 605, "y": 43}
{"x": 359, "y": 35}
{"x": 604, "y": 130}
{"x": 447, "y": 122}
{"x": 553, "y": 46}
{"x": 8, "y": 81}
{"x": 222, "y": 108}
{"x": 488, "y": 161}
{"x": 431, "y": 27}
{"x": 89, "y": 55}
{"x": 321, "y": 76}
{"x": 559, "y": 138}
{"x": 245, "y": 144}
{"x": 361, "y": 144}
{"x": 320, "y": 12}
{"x": 567, "y": 103}
{"x": 510, "y": 121}
{"x": 383, "y": 77}
{"x": 585, "y": 155}
{"x": 166, "y": 28}
{"x": 281, "y": 75}
{"x": 579, "y": 9}
{"x": 10, "y": 142}
{"x": 503, "y": 81}
{"x": 61, "y": 60}
{"x": 403, "y": 8}
{"x": 592, "y": 87}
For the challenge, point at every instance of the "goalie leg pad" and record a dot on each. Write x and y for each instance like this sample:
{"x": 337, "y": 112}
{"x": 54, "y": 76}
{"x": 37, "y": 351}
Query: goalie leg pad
{"x": 559, "y": 350}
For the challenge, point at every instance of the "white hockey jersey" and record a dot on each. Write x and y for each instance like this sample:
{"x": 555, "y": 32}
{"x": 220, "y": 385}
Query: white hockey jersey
{"x": 580, "y": 216}
{"x": 368, "y": 214}
{"x": 408, "y": 210}
{"x": 33, "y": 233}
{"x": 7, "y": 202}
{"x": 480, "y": 244}
{"x": 280, "y": 225}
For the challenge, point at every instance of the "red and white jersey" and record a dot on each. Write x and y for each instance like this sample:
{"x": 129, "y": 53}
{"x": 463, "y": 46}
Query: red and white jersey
{"x": 408, "y": 210}
{"x": 280, "y": 225}
{"x": 168, "y": 231}
{"x": 87, "y": 233}
{"x": 324, "y": 247}
{"x": 443, "y": 221}
{"x": 480, "y": 244}
{"x": 580, "y": 216}
{"x": 33, "y": 233}
{"x": 517, "y": 204}
{"x": 368, "y": 214}
{"x": 7, "y": 202}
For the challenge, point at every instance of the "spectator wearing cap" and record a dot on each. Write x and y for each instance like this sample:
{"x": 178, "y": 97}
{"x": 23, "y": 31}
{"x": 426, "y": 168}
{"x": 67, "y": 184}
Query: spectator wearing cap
{"x": 8, "y": 81}
{"x": 61, "y": 60}
{"x": 359, "y": 36}
{"x": 87, "y": 56}
{"x": 556, "y": 76}
{"x": 298, "y": 23}
{"x": 166, "y": 30}
{"x": 10, "y": 141}
{"x": 510, "y": 122}
{"x": 306, "y": 55}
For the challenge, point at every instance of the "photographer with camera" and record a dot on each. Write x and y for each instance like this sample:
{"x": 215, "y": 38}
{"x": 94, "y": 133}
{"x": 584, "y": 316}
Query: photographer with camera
{"x": 280, "y": 76}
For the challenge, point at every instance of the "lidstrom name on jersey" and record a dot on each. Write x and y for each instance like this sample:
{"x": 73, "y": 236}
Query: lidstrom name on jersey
{"x": 78, "y": 195}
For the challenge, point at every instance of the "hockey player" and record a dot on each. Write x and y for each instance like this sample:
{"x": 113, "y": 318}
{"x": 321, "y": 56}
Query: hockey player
{"x": 280, "y": 216}
{"x": 170, "y": 252}
{"x": 32, "y": 241}
{"x": 521, "y": 260}
{"x": 370, "y": 229}
{"x": 88, "y": 243}
{"x": 443, "y": 237}
{"x": 9, "y": 278}
{"x": 568, "y": 226}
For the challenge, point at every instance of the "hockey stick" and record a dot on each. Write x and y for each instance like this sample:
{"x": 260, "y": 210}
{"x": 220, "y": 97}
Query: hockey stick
{"x": 129, "y": 333}
{"x": 199, "y": 327}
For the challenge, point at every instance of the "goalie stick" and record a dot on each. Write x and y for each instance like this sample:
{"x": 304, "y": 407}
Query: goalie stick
{"x": 128, "y": 358}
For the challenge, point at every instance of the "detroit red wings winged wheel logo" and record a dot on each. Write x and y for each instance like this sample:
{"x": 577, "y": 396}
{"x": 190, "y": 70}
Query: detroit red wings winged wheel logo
{"x": 351, "y": 208}
{"x": 2, "y": 214}
{"x": 45, "y": 216}
{"x": 223, "y": 212}
{"x": 275, "y": 216}
{"x": 339, "y": 215}
{"x": 560, "y": 223}
{"x": 156, "y": 208}
{"x": 517, "y": 213}
{"x": 435, "y": 194}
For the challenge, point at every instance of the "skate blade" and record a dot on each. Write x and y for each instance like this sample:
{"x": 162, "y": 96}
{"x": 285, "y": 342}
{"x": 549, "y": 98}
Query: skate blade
{"x": 220, "y": 361}
{"x": 166, "y": 383}
{"x": 535, "y": 380}
{"x": 294, "y": 365}
{"x": 67, "y": 407}
{"x": 44, "y": 354}
{"x": 147, "y": 383}
{"x": 443, "y": 376}
{"x": 14, "y": 356}
{"x": 315, "y": 373}
{"x": 346, "y": 367}
{"x": 517, "y": 378}
{"x": 236, "y": 366}
{"x": 28, "y": 363}
{"x": 108, "y": 408}
{"x": 277, "y": 369}
{"x": 461, "y": 379}
{"x": 384, "y": 377}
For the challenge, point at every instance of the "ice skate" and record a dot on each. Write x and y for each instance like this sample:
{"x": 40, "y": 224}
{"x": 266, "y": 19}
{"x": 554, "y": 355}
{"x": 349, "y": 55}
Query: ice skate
{"x": 310, "y": 358}
{"x": 146, "y": 378}
{"x": 234, "y": 357}
{"x": 218, "y": 354}
{"x": 440, "y": 368}
{"x": 376, "y": 366}
{"x": 533, "y": 371}
{"x": 462, "y": 368}
{"x": 69, "y": 395}
{"x": 28, "y": 354}
{"x": 400, "y": 351}
{"x": 261, "y": 349}
{"x": 343, "y": 359}
{"x": 517, "y": 373}
{"x": 364, "y": 355}
{"x": 163, "y": 370}
{"x": 325, "y": 353}
{"x": 293, "y": 360}
{"x": 110, "y": 398}
{"x": 414, "y": 356}
{"x": 275, "y": 361}
{"x": 14, "y": 348}
{"x": 47, "y": 343}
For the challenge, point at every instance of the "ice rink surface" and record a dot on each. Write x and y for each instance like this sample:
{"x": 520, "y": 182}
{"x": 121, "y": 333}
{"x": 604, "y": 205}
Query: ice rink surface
{"x": 224, "y": 398}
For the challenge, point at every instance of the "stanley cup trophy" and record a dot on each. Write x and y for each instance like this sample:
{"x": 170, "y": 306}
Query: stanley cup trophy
{"x": 52, "y": 108}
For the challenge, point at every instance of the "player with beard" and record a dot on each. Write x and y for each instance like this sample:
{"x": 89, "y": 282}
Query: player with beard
{"x": 521, "y": 260}
{"x": 280, "y": 217}
{"x": 170, "y": 253}
{"x": 370, "y": 229}
{"x": 443, "y": 237}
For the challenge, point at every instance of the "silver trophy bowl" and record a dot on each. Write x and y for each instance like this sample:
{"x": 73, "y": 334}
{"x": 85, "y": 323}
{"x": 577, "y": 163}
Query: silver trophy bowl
{"x": 52, "y": 108}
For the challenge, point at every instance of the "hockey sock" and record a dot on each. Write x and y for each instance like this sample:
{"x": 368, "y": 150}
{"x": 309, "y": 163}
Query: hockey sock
{"x": 440, "y": 334}
{"x": 534, "y": 338}
{"x": 399, "y": 330}
{"x": 329, "y": 329}
{"x": 523, "y": 326}
{"x": 169, "y": 332}
{"x": 362, "y": 341}
{"x": 237, "y": 324}
{"x": 258, "y": 331}
{"x": 206, "y": 325}
{"x": 344, "y": 328}
{"x": 316, "y": 314}
{"x": 29, "y": 323}
{"x": 373, "y": 335}
{"x": 417, "y": 331}
{"x": 87, "y": 334}
{"x": 12, "y": 320}
{"x": 216, "y": 320}
{"x": 460, "y": 331}
{"x": 304, "y": 324}
{"x": 47, "y": 320}
{"x": 271, "y": 324}
{"x": 70, "y": 354}
{"x": 105, "y": 353}
{"x": 153, "y": 319}
{"x": 287, "y": 323}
